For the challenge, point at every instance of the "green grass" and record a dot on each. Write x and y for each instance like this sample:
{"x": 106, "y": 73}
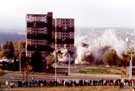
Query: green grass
{"x": 2, "y": 84}
{"x": 116, "y": 68}
{"x": 15, "y": 72}
{"x": 95, "y": 71}
{"x": 83, "y": 71}
{"x": 99, "y": 71}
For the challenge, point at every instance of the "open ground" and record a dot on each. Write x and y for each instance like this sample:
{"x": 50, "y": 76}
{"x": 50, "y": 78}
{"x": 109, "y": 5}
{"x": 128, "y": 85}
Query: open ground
{"x": 82, "y": 88}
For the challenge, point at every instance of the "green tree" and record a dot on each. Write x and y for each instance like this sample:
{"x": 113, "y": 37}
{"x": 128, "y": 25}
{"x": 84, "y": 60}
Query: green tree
{"x": 22, "y": 44}
{"x": 5, "y": 45}
{"x": 15, "y": 44}
{"x": 111, "y": 58}
{"x": 26, "y": 70}
{"x": 126, "y": 59}
{"x": 8, "y": 50}
{"x": 16, "y": 55}
{"x": 0, "y": 47}
{"x": 5, "y": 53}
{"x": 11, "y": 46}
{"x": 50, "y": 60}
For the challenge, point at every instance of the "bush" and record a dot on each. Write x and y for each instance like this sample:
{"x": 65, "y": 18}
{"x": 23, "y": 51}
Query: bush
{"x": 83, "y": 71}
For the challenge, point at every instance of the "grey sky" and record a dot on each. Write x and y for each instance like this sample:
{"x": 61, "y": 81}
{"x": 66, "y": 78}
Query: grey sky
{"x": 87, "y": 13}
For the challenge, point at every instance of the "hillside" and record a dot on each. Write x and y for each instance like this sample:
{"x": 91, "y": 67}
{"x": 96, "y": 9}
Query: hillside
{"x": 11, "y": 34}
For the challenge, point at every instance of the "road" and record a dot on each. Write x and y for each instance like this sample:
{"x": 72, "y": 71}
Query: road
{"x": 12, "y": 76}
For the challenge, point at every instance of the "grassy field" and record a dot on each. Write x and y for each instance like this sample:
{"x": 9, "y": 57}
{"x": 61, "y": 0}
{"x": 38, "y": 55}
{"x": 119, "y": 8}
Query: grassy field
{"x": 85, "y": 70}
{"x": 97, "y": 70}
{"x": 100, "y": 70}
{"x": 84, "y": 88}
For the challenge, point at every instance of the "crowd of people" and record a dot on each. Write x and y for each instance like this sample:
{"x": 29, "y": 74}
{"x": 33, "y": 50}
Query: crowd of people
{"x": 70, "y": 83}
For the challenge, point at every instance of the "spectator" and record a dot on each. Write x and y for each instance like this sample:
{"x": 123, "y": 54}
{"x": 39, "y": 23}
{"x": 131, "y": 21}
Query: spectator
{"x": 44, "y": 82}
{"x": 11, "y": 84}
{"x": 6, "y": 84}
{"x": 0, "y": 84}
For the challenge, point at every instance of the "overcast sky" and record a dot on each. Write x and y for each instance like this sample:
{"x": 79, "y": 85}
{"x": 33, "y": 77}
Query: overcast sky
{"x": 87, "y": 13}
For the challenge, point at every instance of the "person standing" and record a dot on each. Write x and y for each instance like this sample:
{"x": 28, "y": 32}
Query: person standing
{"x": 6, "y": 84}
{"x": 11, "y": 84}
{"x": 122, "y": 83}
{"x": 0, "y": 84}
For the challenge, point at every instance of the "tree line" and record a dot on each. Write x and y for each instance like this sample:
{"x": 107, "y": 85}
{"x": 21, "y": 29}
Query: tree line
{"x": 111, "y": 58}
{"x": 15, "y": 50}
{"x": 10, "y": 50}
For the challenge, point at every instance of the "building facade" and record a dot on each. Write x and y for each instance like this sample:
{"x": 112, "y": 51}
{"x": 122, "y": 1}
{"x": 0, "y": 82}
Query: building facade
{"x": 64, "y": 33}
{"x": 45, "y": 34}
{"x": 38, "y": 34}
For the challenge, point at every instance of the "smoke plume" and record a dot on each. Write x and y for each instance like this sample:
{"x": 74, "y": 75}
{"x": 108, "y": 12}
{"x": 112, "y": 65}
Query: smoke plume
{"x": 91, "y": 48}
